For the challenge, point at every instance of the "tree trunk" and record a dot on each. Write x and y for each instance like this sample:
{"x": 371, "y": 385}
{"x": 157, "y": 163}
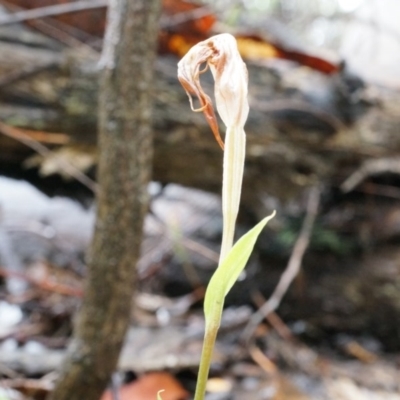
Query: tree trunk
{"x": 123, "y": 172}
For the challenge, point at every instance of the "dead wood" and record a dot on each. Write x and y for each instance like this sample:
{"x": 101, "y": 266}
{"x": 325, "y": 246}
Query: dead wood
{"x": 303, "y": 128}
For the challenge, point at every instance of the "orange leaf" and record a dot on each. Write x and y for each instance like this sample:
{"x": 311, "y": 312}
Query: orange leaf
{"x": 255, "y": 47}
{"x": 147, "y": 387}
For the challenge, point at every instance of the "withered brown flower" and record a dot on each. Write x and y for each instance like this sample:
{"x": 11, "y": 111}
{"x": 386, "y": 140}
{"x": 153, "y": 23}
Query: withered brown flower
{"x": 221, "y": 55}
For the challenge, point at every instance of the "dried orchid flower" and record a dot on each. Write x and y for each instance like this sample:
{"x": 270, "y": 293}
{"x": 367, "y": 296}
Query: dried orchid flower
{"x": 221, "y": 55}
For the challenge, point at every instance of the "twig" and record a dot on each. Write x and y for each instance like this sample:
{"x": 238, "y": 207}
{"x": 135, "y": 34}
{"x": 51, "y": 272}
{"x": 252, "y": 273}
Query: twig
{"x": 47, "y": 137}
{"x": 66, "y": 34}
{"x": 272, "y": 317}
{"x": 82, "y": 5}
{"x": 263, "y": 361}
{"x": 292, "y": 268}
{"x": 380, "y": 190}
{"x": 43, "y": 284}
{"x": 25, "y": 72}
{"x": 167, "y": 21}
{"x": 200, "y": 249}
{"x": 16, "y": 134}
{"x": 9, "y": 373}
{"x": 27, "y": 385}
{"x": 371, "y": 168}
{"x": 58, "y": 30}
{"x": 115, "y": 386}
{"x": 111, "y": 37}
{"x": 49, "y": 11}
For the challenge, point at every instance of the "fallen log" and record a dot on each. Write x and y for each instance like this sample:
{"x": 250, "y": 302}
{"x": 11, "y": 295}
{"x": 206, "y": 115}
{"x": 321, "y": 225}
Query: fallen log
{"x": 304, "y": 127}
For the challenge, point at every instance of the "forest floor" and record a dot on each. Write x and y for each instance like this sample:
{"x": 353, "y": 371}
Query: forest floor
{"x": 42, "y": 245}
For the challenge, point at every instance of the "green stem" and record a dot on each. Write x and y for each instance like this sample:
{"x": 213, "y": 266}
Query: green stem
{"x": 213, "y": 321}
{"x": 234, "y": 155}
{"x": 205, "y": 362}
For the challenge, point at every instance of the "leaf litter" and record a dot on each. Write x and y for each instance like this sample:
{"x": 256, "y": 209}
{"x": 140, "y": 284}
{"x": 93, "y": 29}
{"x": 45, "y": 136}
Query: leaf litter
{"x": 34, "y": 344}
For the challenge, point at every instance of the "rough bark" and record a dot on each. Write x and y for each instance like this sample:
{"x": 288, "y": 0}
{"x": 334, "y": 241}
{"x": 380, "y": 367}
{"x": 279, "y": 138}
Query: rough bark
{"x": 125, "y": 144}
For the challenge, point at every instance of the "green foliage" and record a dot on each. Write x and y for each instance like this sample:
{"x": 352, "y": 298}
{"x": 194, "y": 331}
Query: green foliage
{"x": 329, "y": 240}
{"x": 322, "y": 239}
{"x": 286, "y": 237}
{"x": 229, "y": 270}
{"x": 220, "y": 284}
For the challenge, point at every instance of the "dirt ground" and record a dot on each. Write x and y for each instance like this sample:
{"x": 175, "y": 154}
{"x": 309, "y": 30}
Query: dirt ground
{"x": 43, "y": 242}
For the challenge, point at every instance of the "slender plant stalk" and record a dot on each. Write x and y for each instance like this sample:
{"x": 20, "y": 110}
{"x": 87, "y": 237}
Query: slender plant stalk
{"x": 234, "y": 155}
{"x": 206, "y": 356}
{"x": 230, "y": 74}
{"x": 220, "y": 284}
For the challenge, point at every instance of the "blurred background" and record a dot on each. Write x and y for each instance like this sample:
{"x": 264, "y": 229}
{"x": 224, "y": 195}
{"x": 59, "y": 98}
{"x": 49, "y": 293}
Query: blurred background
{"x": 323, "y": 143}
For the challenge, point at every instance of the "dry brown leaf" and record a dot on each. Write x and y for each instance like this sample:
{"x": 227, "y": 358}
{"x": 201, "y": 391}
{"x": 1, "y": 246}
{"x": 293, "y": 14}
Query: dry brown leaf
{"x": 147, "y": 387}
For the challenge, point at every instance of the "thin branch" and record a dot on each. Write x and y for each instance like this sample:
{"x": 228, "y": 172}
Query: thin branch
{"x": 82, "y": 5}
{"x": 380, "y": 190}
{"x": 200, "y": 249}
{"x": 371, "y": 168}
{"x": 25, "y": 72}
{"x": 44, "y": 284}
{"x": 58, "y": 30}
{"x": 16, "y": 134}
{"x": 263, "y": 361}
{"x": 66, "y": 34}
{"x": 115, "y": 386}
{"x": 273, "y": 318}
{"x": 167, "y": 21}
{"x": 292, "y": 268}
{"x": 50, "y": 11}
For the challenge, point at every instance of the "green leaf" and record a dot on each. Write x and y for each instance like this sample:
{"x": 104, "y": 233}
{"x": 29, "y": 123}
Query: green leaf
{"x": 229, "y": 270}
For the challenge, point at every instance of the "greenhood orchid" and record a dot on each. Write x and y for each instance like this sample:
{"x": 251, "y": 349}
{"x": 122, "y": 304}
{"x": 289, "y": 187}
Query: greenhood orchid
{"x": 220, "y": 54}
